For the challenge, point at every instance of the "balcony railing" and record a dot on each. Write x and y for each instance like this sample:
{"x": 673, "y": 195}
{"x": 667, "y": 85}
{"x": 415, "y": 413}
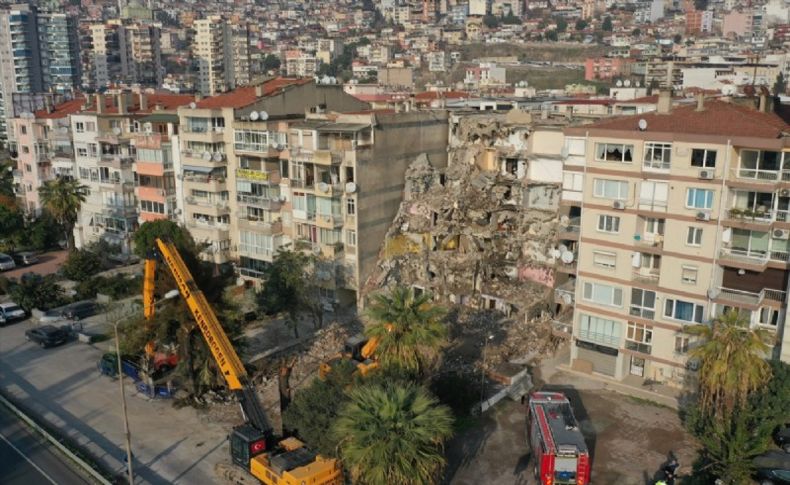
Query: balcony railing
{"x": 600, "y": 338}
{"x": 208, "y": 224}
{"x": 642, "y": 348}
{"x": 646, "y": 276}
{"x": 203, "y": 202}
{"x": 749, "y": 215}
{"x": 760, "y": 175}
{"x": 571, "y": 229}
{"x": 272, "y": 176}
{"x": 655, "y": 165}
{"x": 653, "y": 205}
{"x": 754, "y": 257}
{"x": 749, "y": 297}
{"x": 261, "y": 202}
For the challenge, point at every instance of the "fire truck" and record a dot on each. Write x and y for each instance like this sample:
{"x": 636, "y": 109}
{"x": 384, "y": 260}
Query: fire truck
{"x": 558, "y": 447}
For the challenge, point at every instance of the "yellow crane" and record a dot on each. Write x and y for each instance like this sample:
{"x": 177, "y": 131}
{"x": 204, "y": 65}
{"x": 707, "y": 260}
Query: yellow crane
{"x": 252, "y": 444}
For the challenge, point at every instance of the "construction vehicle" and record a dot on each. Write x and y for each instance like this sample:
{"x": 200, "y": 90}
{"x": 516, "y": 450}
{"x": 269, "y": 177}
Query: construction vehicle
{"x": 252, "y": 444}
{"x": 560, "y": 453}
{"x": 358, "y": 349}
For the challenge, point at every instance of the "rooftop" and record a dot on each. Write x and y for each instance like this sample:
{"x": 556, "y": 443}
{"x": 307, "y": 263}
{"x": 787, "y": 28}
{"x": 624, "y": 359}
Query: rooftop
{"x": 62, "y": 110}
{"x": 167, "y": 102}
{"x": 245, "y": 96}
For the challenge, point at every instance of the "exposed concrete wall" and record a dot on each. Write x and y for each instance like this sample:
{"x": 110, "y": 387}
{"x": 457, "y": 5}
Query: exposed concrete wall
{"x": 296, "y": 99}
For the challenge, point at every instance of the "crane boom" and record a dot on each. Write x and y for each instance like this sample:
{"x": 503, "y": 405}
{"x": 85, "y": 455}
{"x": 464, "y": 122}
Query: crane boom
{"x": 219, "y": 344}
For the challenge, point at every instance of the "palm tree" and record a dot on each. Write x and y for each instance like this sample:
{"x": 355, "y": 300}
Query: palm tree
{"x": 393, "y": 434}
{"x": 732, "y": 362}
{"x": 62, "y": 197}
{"x": 408, "y": 328}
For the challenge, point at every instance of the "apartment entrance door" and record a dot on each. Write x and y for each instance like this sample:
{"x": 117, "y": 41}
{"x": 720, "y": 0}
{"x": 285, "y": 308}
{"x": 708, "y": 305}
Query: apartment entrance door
{"x": 637, "y": 366}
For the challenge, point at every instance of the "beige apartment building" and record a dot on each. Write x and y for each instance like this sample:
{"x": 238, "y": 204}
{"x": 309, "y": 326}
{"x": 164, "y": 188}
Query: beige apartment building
{"x": 685, "y": 214}
{"x": 222, "y": 51}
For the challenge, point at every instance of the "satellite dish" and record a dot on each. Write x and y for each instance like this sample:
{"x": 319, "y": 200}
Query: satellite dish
{"x": 148, "y": 127}
{"x": 217, "y": 157}
{"x": 263, "y": 115}
{"x": 627, "y": 83}
{"x": 564, "y": 220}
{"x": 351, "y": 187}
{"x": 206, "y": 156}
{"x": 642, "y": 124}
{"x": 619, "y": 83}
{"x": 637, "y": 83}
{"x": 555, "y": 253}
{"x": 116, "y": 131}
{"x": 192, "y": 105}
{"x": 254, "y": 116}
{"x": 567, "y": 257}
{"x": 567, "y": 298}
{"x": 323, "y": 187}
{"x": 562, "y": 248}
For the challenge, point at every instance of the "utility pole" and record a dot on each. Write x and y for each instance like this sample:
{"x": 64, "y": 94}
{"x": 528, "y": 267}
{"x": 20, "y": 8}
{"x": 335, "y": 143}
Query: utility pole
{"x": 126, "y": 432}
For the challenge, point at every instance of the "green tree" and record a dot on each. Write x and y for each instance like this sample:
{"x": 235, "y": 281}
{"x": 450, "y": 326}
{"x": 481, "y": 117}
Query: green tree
{"x": 42, "y": 233}
{"x": 271, "y": 62}
{"x": 7, "y": 179}
{"x": 409, "y": 329}
{"x": 607, "y": 24}
{"x": 63, "y": 197}
{"x": 581, "y": 24}
{"x": 731, "y": 363}
{"x": 145, "y": 238}
{"x": 491, "y": 21}
{"x": 393, "y": 435}
{"x": 636, "y": 32}
{"x": 677, "y": 39}
{"x": 551, "y": 35}
{"x": 12, "y": 225}
{"x": 562, "y": 24}
{"x": 81, "y": 265}
{"x": 287, "y": 287}
{"x": 511, "y": 19}
{"x": 780, "y": 86}
{"x": 42, "y": 293}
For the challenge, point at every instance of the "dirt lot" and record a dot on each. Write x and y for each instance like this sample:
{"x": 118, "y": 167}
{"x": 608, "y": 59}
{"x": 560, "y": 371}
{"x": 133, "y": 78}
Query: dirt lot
{"x": 629, "y": 439}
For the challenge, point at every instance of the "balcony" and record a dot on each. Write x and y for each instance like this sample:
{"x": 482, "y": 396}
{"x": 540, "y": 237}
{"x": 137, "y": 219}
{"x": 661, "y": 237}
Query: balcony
{"x": 206, "y": 182}
{"x": 570, "y": 231}
{"x": 272, "y": 177}
{"x": 646, "y": 276}
{"x": 218, "y": 230}
{"x": 210, "y": 134}
{"x": 260, "y": 202}
{"x": 569, "y": 268}
{"x": 261, "y": 227}
{"x": 656, "y": 166}
{"x": 638, "y": 347}
{"x": 652, "y": 205}
{"x": 301, "y": 155}
{"x": 599, "y": 338}
{"x": 218, "y": 207}
{"x": 110, "y": 137}
{"x": 327, "y": 157}
{"x": 116, "y": 161}
{"x": 565, "y": 293}
{"x": 650, "y": 241}
{"x": 751, "y": 260}
{"x": 735, "y": 297}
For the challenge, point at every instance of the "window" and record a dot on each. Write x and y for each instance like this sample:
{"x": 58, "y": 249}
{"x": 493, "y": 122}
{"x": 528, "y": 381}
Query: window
{"x": 93, "y": 149}
{"x": 28, "y": 168}
{"x": 603, "y": 294}
{"x": 251, "y": 141}
{"x": 604, "y": 259}
{"x": 688, "y": 274}
{"x": 299, "y": 201}
{"x": 82, "y": 152}
{"x": 609, "y": 224}
{"x": 658, "y": 155}
{"x": 573, "y": 181}
{"x": 681, "y": 344}
{"x": 351, "y": 206}
{"x": 643, "y": 303}
{"x": 653, "y": 196}
{"x": 79, "y": 127}
{"x": 90, "y": 126}
{"x": 694, "y": 236}
{"x": 351, "y": 237}
{"x": 152, "y": 206}
{"x": 649, "y": 261}
{"x": 639, "y": 337}
{"x": 600, "y": 330}
{"x": 683, "y": 310}
{"x": 654, "y": 226}
{"x": 25, "y": 149}
{"x": 769, "y": 316}
{"x": 699, "y": 198}
{"x": 610, "y": 189}
{"x": 575, "y": 146}
{"x": 330, "y": 236}
{"x": 256, "y": 243}
{"x": 703, "y": 158}
{"x": 23, "y": 129}
{"x": 614, "y": 152}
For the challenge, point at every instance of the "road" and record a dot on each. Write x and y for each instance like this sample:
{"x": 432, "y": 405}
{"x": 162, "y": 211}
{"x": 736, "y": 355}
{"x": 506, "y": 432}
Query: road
{"x": 48, "y": 263}
{"x": 28, "y": 458}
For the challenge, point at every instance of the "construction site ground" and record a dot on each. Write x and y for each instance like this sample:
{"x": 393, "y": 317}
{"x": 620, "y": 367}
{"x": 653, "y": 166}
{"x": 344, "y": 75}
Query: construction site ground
{"x": 629, "y": 438}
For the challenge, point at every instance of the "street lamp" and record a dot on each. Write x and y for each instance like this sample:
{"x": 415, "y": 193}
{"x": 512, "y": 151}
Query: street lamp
{"x": 483, "y": 372}
{"x": 127, "y": 434}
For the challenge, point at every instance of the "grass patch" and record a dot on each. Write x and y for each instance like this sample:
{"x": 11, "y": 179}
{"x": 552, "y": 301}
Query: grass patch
{"x": 647, "y": 402}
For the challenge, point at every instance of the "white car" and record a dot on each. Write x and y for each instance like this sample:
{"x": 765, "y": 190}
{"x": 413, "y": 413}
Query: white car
{"x": 10, "y": 312}
{"x": 6, "y": 262}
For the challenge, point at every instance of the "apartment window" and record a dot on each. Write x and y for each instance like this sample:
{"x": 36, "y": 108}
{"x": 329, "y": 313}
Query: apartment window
{"x": 351, "y": 206}
{"x": 82, "y": 152}
{"x": 654, "y": 226}
{"x": 23, "y": 129}
{"x": 600, "y": 330}
{"x": 640, "y": 336}
{"x": 25, "y": 149}
{"x": 79, "y": 127}
{"x": 699, "y": 198}
{"x": 658, "y": 155}
{"x": 683, "y": 310}
{"x": 330, "y": 236}
{"x": 93, "y": 149}
{"x": 688, "y": 274}
{"x": 256, "y": 243}
{"x": 694, "y": 236}
{"x": 604, "y": 259}
{"x": 681, "y": 344}
{"x": 251, "y": 141}
{"x": 152, "y": 206}
{"x": 703, "y": 158}
{"x": 609, "y": 224}
{"x": 610, "y": 189}
{"x": 299, "y": 201}
{"x": 351, "y": 237}
{"x": 90, "y": 126}
{"x": 603, "y": 294}
{"x": 643, "y": 303}
{"x": 649, "y": 261}
{"x": 769, "y": 316}
{"x": 614, "y": 152}
{"x": 28, "y": 168}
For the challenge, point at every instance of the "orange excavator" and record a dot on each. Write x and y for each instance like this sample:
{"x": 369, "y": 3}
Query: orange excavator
{"x": 253, "y": 447}
{"x": 358, "y": 349}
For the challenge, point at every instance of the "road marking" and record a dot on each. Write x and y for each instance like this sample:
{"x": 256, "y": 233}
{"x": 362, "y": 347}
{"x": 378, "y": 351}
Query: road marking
{"x": 42, "y": 472}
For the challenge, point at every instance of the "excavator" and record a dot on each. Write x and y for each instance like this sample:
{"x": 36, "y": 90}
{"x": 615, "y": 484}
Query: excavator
{"x": 358, "y": 349}
{"x": 253, "y": 446}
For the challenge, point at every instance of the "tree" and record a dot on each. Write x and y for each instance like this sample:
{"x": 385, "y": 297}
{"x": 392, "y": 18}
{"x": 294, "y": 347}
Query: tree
{"x": 731, "y": 363}
{"x": 286, "y": 288}
{"x": 42, "y": 293}
{"x": 677, "y": 39}
{"x": 636, "y": 32}
{"x": 42, "y": 233}
{"x": 393, "y": 434}
{"x": 607, "y": 24}
{"x": 511, "y": 19}
{"x": 562, "y": 25}
{"x": 409, "y": 330}
{"x": 81, "y": 265}
{"x": 63, "y": 197}
{"x": 490, "y": 21}
{"x": 271, "y": 62}
{"x": 780, "y": 86}
{"x": 12, "y": 223}
{"x": 145, "y": 238}
{"x": 551, "y": 35}
{"x": 581, "y": 24}
{"x": 7, "y": 178}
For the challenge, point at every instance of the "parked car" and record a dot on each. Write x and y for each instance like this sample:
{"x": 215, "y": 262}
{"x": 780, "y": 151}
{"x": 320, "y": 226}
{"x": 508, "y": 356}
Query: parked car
{"x": 47, "y": 336}
{"x": 123, "y": 259}
{"x": 25, "y": 258}
{"x": 6, "y": 262}
{"x": 72, "y": 311}
{"x": 10, "y": 312}
{"x": 782, "y": 437}
{"x": 772, "y": 468}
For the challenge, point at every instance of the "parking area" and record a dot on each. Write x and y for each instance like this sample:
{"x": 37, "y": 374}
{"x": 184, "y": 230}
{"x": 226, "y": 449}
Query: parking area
{"x": 48, "y": 263}
{"x": 629, "y": 439}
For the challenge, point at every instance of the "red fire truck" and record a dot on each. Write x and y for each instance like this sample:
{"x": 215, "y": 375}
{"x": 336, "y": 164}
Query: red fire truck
{"x": 558, "y": 448}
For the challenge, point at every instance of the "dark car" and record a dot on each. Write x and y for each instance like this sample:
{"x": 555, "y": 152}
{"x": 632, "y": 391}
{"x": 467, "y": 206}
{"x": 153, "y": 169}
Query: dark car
{"x": 25, "y": 258}
{"x": 73, "y": 311}
{"x": 772, "y": 468}
{"x": 782, "y": 437}
{"x": 47, "y": 336}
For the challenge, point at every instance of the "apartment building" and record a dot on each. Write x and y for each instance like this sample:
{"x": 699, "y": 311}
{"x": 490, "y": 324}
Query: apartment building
{"x": 684, "y": 215}
{"x": 100, "y": 54}
{"x": 105, "y": 133}
{"x": 140, "y": 52}
{"x": 222, "y": 51}
{"x": 157, "y": 154}
{"x": 44, "y": 150}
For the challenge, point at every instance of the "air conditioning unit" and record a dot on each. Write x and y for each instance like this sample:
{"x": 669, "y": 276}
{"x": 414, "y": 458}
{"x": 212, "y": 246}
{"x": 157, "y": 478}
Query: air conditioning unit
{"x": 692, "y": 365}
{"x": 784, "y": 193}
{"x": 618, "y": 204}
{"x": 781, "y": 234}
{"x": 703, "y": 216}
{"x": 706, "y": 174}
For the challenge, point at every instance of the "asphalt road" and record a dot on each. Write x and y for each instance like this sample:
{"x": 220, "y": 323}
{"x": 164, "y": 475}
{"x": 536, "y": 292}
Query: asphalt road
{"x": 26, "y": 458}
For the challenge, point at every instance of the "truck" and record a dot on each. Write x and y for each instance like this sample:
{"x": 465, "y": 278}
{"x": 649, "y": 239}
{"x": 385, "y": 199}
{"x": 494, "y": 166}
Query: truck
{"x": 254, "y": 450}
{"x": 560, "y": 454}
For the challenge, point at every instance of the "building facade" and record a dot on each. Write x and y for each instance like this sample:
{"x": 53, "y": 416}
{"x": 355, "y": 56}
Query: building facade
{"x": 222, "y": 51}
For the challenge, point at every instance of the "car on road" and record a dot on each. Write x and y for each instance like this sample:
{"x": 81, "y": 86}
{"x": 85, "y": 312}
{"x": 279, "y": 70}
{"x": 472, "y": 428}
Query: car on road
{"x": 772, "y": 468}
{"x": 73, "y": 312}
{"x": 6, "y": 262}
{"x": 47, "y": 336}
{"x": 25, "y": 258}
{"x": 10, "y": 312}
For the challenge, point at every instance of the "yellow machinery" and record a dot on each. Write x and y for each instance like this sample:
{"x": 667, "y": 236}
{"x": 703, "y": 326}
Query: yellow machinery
{"x": 252, "y": 445}
{"x": 358, "y": 349}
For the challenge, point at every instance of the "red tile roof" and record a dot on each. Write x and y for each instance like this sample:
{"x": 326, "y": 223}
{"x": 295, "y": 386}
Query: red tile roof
{"x": 62, "y": 110}
{"x": 168, "y": 102}
{"x": 717, "y": 118}
{"x": 245, "y": 96}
